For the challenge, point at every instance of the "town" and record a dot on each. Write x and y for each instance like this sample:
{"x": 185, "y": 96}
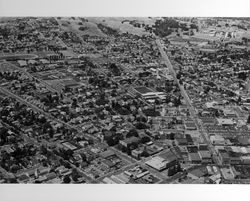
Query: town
{"x": 124, "y": 100}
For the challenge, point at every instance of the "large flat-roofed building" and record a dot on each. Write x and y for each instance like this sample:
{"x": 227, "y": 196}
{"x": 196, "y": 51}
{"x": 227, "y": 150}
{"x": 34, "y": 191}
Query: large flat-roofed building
{"x": 154, "y": 95}
{"x": 143, "y": 90}
{"x": 147, "y": 93}
{"x": 205, "y": 156}
{"x": 163, "y": 161}
{"x": 225, "y": 122}
{"x": 224, "y": 157}
{"x": 157, "y": 163}
{"x": 217, "y": 140}
{"x": 68, "y": 145}
{"x": 194, "y": 158}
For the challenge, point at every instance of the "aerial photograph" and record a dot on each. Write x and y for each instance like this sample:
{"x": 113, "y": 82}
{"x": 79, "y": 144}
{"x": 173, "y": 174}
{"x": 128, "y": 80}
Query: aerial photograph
{"x": 125, "y": 100}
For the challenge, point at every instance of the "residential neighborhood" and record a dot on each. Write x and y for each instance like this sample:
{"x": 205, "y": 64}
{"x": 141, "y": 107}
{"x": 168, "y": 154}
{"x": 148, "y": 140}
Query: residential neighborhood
{"x": 124, "y": 100}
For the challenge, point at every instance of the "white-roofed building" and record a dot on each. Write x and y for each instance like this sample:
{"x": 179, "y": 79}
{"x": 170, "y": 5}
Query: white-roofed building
{"x": 108, "y": 181}
{"x": 157, "y": 163}
{"x": 225, "y": 122}
{"x": 217, "y": 139}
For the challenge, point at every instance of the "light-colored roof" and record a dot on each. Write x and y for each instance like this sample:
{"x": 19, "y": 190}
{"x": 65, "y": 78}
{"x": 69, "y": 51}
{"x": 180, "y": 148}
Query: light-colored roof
{"x": 157, "y": 162}
{"x": 225, "y": 121}
{"x": 22, "y": 63}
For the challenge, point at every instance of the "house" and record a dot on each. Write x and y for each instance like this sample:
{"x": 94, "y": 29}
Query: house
{"x": 63, "y": 171}
{"x": 136, "y": 153}
{"x": 215, "y": 179}
{"x": 209, "y": 170}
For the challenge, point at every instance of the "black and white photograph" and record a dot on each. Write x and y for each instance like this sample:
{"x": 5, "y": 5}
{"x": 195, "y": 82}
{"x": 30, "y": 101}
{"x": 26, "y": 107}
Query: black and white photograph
{"x": 124, "y": 99}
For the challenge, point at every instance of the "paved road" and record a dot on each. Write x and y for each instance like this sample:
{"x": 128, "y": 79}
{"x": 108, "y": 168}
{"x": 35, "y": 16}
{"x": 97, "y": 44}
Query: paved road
{"x": 189, "y": 103}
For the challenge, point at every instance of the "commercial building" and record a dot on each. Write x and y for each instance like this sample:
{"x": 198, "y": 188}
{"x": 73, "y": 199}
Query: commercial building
{"x": 157, "y": 163}
{"x": 205, "y": 156}
{"x": 194, "y": 158}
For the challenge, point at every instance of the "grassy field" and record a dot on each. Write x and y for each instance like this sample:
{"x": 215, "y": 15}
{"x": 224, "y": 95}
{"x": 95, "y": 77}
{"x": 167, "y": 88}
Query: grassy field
{"x": 73, "y": 25}
{"x": 121, "y": 24}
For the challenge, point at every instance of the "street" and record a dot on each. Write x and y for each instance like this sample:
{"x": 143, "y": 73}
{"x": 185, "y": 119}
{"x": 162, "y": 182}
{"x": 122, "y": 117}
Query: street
{"x": 189, "y": 103}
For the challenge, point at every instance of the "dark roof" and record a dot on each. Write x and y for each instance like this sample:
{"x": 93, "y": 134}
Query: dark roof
{"x": 200, "y": 172}
{"x": 107, "y": 154}
{"x": 169, "y": 156}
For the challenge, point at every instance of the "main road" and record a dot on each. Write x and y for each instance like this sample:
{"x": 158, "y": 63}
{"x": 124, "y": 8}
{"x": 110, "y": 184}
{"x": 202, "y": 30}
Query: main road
{"x": 189, "y": 103}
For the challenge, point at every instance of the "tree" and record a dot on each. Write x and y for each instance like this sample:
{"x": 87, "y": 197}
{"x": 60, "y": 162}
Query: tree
{"x": 172, "y": 136}
{"x": 3, "y": 135}
{"x": 145, "y": 139}
{"x": 145, "y": 153}
{"x": 75, "y": 175}
{"x": 141, "y": 125}
{"x": 132, "y": 132}
{"x": 66, "y": 179}
{"x": 114, "y": 68}
{"x": 193, "y": 26}
{"x": 83, "y": 156}
{"x": 44, "y": 150}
